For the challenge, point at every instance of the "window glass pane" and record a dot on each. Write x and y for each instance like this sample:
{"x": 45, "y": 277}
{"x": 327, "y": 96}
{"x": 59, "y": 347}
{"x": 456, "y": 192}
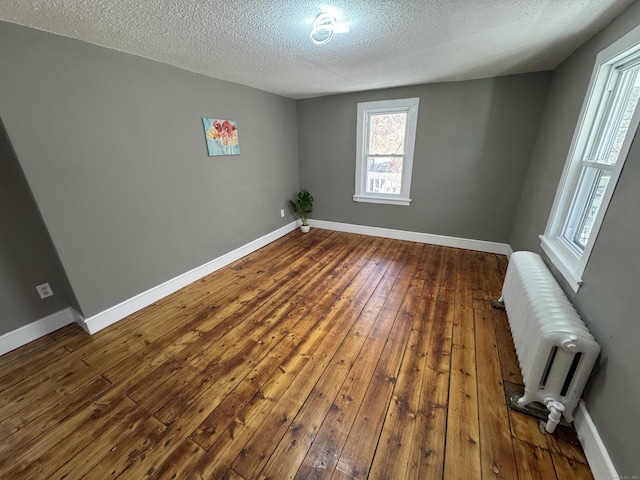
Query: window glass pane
{"x": 606, "y": 144}
{"x": 385, "y": 142}
{"x": 386, "y": 133}
{"x": 622, "y": 129}
{"x": 384, "y": 175}
{"x": 584, "y": 230}
{"x": 616, "y": 125}
{"x": 591, "y": 188}
{"x": 606, "y": 128}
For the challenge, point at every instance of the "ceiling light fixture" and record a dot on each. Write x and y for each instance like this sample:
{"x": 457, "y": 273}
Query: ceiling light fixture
{"x": 324, "y": 27}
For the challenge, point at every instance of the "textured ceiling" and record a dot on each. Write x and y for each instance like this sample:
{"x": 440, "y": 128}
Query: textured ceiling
{"x": 265, "y": 43}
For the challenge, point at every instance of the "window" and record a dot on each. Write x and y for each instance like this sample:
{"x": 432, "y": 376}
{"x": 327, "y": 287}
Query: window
{"x": 607, "y": 125}
{"x": 384, "y": 152}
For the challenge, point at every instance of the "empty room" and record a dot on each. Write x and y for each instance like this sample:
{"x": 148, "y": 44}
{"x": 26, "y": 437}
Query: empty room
{"x": 272, "y": 240}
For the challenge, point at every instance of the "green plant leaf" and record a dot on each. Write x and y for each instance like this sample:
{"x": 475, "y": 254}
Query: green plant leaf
{"x": 303, "y": 205}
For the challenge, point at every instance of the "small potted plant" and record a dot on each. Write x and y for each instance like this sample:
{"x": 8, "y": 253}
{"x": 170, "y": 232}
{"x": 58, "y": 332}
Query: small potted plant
{"x": 303, "y": 206}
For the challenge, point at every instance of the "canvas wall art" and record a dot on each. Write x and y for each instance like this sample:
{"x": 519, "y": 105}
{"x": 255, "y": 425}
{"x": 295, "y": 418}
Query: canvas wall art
{"x": 222, "y": 137}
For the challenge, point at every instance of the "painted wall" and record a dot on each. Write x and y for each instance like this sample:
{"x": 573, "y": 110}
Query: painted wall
{"x": 473, "y": 145}
{"x": 113, "y": 148}
{"x": 608, "y": 300}
{"x": 113, "y": 151}
{"x": 27, "y": 256}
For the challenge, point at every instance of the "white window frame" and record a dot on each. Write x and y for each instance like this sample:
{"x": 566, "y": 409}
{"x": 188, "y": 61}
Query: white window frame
{"x": 569, "y": 261}
{"x": 365, "y": 110}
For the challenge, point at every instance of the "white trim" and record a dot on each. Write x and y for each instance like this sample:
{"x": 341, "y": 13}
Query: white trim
{"x": 34, "y": 330}
{"x": 560, "y": 258}
{"x": 445, "y": 241}
{"x": 118, "y": 312}
{"x": 509, "y": 250}
{"x": 27, "y": 333}
{"x": 571, "y": 265}
{"x": 385, "y": 200}
{"x": 599, "y": 461}
{"x": 365, "y": 109}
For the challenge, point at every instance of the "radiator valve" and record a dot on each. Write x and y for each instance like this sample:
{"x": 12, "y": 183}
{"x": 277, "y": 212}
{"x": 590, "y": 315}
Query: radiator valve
{"x": 555, "y": 412}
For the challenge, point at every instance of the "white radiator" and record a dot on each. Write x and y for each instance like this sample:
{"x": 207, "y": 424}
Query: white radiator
{"x": 555, "y": 350}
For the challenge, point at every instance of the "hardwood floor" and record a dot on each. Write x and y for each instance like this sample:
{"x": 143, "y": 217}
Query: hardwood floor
{"x": 325, "y": 356}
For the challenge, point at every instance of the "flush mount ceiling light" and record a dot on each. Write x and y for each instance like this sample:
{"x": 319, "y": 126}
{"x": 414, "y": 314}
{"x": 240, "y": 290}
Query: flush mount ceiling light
{"x": 324, "y": 27}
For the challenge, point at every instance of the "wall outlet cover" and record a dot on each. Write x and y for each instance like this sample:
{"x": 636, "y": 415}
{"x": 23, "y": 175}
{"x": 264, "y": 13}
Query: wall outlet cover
{"x": 44, "y": 290}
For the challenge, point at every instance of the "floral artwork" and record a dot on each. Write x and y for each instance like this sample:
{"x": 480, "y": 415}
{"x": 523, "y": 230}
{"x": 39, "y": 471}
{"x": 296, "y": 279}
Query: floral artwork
{"x": 222, "y": 137}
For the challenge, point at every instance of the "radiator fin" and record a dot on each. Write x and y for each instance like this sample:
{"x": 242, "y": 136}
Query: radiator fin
{"x": 555, "y": 349}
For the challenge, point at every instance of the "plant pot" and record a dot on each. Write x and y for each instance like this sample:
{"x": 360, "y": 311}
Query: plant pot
{"x": 304, "y": 228}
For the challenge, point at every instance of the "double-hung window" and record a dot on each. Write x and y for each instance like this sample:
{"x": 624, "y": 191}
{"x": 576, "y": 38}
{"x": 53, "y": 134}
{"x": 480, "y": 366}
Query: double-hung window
{"x": 384, "y": 151}
{"x": 606, "y": 128}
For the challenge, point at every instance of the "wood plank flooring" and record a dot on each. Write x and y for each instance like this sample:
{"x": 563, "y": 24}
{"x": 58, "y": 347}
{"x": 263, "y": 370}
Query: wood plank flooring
{"x": 321, "y": 356}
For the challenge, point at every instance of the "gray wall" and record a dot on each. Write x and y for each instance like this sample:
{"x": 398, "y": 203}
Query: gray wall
{"x": 27, "y": 257}
{"x": 113, "y": 151}
{"x": 609, "y": 300}
{"x": 113, "y": 148}
{"x": 472, "y": 150}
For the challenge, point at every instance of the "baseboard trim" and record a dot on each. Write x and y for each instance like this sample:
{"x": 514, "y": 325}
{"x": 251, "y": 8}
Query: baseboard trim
{"x": 34, "y": 330}
{"x": 597, "y": 455}
{"x": 110, "y": 316}
{"x": 23, "y": 335}
{"x": 445, "y": 241}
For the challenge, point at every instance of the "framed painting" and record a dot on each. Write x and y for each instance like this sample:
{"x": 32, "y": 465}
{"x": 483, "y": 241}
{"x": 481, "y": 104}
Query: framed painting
{"x": 222, "y": 137}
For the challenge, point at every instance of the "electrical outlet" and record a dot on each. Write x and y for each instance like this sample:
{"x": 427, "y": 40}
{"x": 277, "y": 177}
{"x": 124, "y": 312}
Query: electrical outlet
{"x": 282, "y": 212}
{"x": 44, "y": 290}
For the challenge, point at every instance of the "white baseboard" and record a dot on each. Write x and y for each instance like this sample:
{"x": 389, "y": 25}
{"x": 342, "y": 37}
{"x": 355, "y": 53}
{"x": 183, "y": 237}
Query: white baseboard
{"x": 601, "y": 465}
{"x": 28, "y": 333}
{"x": 469, "y": 244}
{"x": 118, "y": 312}
{"x": 34, "y": 330}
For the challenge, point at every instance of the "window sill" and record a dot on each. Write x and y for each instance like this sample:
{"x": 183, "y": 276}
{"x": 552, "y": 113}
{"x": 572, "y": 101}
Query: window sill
{"x": 387, "y": 200}
{"x": 565, "y": 261}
